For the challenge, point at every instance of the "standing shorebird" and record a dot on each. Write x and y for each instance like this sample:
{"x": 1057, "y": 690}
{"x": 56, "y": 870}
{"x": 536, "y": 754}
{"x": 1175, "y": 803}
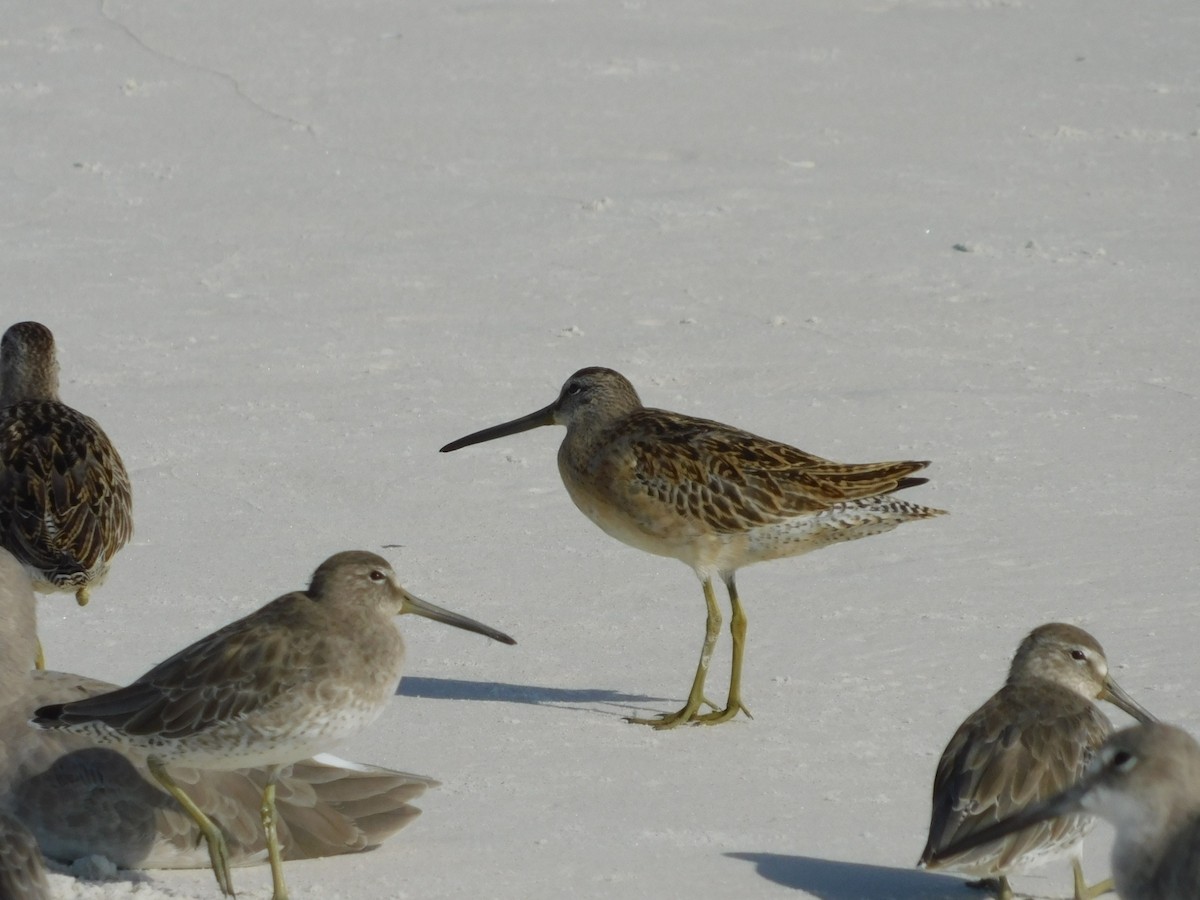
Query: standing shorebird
{"x": 1145, "y": 781}
{"x": 1032, "y": 738}
{"x": 712, "y": 496}
{"x": 303, "y": 672}
{"x": 22, "y": 872}
{"x": 65, "y": 503}
{"x": 79, "y": 800}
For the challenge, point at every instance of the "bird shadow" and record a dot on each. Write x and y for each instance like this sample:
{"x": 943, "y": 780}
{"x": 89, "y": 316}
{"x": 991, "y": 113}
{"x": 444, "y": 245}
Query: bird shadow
{"x": 538, "y": 695}
{"x": 832, "y": 880}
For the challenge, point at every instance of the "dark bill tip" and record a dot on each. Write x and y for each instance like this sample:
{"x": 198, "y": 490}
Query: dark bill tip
{"x": 1116, "y": 695}
{"x": 419, "y": 607}
{"x": 516, "y": 426}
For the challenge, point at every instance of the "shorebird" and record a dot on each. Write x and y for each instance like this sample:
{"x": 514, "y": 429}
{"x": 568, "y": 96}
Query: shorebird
{"x": 22, "y": 872}
{"x": 301, "y": 673}
{"x": 81, "y": 801}
{"x": 1145, "y": 781}
{"x": 713, "y": 496}
{"x": 1031, "y": 739}
{"x": 65, "y": 502}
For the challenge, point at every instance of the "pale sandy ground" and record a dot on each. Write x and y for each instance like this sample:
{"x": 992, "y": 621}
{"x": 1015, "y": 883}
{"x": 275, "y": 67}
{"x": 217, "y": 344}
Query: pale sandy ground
{"x": 289, "y": 249}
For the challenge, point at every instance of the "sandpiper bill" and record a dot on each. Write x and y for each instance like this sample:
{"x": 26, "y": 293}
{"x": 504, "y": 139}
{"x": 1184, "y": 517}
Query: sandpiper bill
{"x": 715, "y": 497}
{"x": 286, "y": 682}
{"x": 1031, "y": 739}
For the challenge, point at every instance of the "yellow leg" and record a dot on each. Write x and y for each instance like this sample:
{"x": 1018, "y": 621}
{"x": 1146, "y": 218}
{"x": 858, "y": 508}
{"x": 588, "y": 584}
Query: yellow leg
{"x": 82, "y": 596}
{"x": 1082, "y": 891}
{"x": 218, "y": 852}
{"x": 272, "y": 834}
{"x": 696, "y": 696}
{"x": 737, "y": 631}
{"x": 39, "y": 658}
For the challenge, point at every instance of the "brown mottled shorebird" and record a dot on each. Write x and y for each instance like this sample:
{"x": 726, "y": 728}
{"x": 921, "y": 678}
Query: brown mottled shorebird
{"x": 80, "y": 800}
{"x": 1145, "y": 780}
{"x": 303, "y": 672}
{"x": 22, "y": 872}
{"x": 65, "y": 503}
{"x": 712, "y": 496}
{"x": 1032, "y": 738}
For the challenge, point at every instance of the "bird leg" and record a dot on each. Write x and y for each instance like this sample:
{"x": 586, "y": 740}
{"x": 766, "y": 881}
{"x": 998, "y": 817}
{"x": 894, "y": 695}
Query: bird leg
{"x": 218, "y": 852}
{"x": 737, "y": 631}
{"x": 696, "y": 696}
{"x": 1082, "y": 891}
{"x": 39, "y": 658}
{"x": 269, "y": 819}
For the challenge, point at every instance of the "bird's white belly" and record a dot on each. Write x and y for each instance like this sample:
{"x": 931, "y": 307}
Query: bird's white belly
{"x": 288, "y": 733}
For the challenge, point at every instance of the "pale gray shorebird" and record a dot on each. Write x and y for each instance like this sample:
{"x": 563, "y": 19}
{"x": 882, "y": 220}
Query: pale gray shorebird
{"x": 1145, "y": 780}
{"x": 65, "y": 502}
{"x": 287, "y": 681}
{"x": 1031, "y": 739}
{"x": 715, "y": 497}
{"x": 81, "y": 801}
{"x": 22, "y": 872}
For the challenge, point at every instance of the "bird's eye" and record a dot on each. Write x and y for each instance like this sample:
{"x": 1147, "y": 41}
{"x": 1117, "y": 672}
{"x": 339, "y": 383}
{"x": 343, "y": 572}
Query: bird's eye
{"x": 376, "y": 575}
{"x": 1123, "y": 761}
{"x": 574, "y": 388}
{"x": 1078, "y": 655}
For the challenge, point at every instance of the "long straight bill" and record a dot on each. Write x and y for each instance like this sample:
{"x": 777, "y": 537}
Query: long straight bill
{"x": 1116, "y": 695}
{"x": 419, "y": 607}
{"x": 516, "y": 426}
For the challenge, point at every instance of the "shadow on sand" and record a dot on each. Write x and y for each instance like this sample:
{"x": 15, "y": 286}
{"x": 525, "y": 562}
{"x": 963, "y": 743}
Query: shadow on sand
{"x": 568, "y": 698}
{"x": 831, "y": 880}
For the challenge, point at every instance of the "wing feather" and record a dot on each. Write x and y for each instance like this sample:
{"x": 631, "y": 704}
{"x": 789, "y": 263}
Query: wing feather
{"x": 220, "y": 678}
{"x": 65, "y": 499}
{"x": 734, "y": 480}
{"x": 1005, "y": 756}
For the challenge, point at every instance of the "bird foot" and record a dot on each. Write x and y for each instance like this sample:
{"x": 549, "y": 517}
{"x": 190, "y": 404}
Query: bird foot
{"x": 722, "y": 715}
{"x": 690, "y": 715}
{"x": 664, "y": 721}
{"x": 218, "y": 855}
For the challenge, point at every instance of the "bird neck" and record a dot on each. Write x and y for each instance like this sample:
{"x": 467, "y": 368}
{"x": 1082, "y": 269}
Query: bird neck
{"x": 22, "y": 383}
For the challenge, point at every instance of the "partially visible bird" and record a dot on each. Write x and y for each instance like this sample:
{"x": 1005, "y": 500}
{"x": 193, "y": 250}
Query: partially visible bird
{"x": 298, "y": 675}
{"x": 1032, "y": 738}
{"x": 79, "y": 800}
{"x": 65, "y": 502}
{"x": 1145, "y": 780}
{"x": 713, "y": 496}
{"x": 22, "y": 872}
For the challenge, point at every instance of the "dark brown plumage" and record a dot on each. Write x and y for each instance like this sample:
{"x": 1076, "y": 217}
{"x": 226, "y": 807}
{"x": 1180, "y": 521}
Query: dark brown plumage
{"x": 65, "y": 500}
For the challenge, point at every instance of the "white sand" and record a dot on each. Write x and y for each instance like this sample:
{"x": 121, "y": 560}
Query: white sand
{"x": 290, "y": 249}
